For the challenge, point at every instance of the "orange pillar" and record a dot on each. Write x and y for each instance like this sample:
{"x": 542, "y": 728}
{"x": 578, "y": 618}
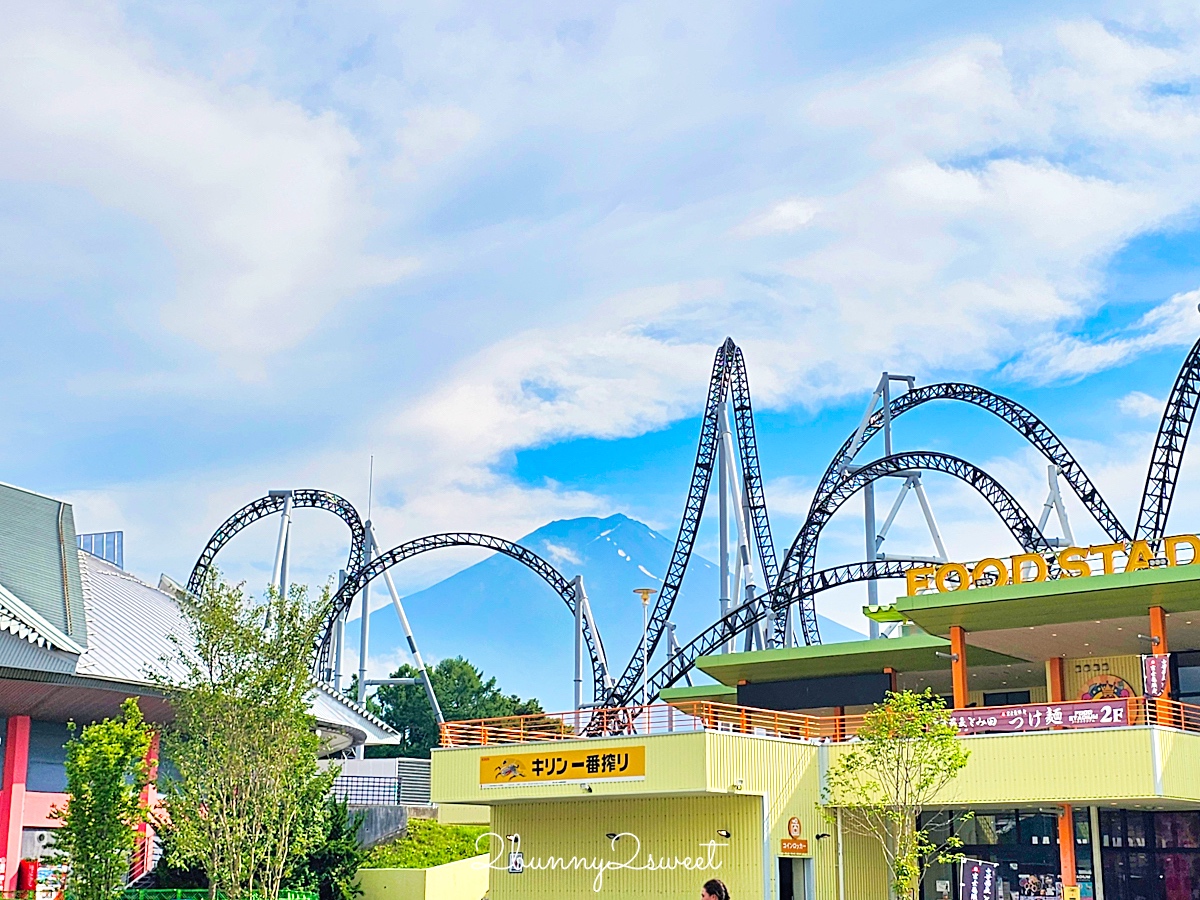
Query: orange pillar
{"x": 1055, "y": 683}
{"x": 958, "y": 665}
{"x": 839, "y": 723}
{"x": 1066, "y": 844}
{"x": 12, "y": 799}
{"x": 1158, "y": 629}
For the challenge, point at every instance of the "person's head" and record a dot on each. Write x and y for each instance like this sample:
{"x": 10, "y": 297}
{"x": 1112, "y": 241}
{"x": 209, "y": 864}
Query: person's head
{"x": 714, "y": 890}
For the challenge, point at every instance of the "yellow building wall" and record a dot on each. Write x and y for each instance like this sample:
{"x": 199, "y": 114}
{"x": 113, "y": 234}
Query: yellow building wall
{"x": 675, "y": 763}
{"x": 1049, "y": 767}
{"x": 466, "y": 879}
{"x": 463, "y": 814}
{"x": 1079, "y": 673}
{"x": 567, "y": 852}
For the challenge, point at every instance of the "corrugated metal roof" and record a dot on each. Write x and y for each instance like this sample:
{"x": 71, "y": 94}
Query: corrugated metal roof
{"x": 39, "y": 563}
{"x": 337, "y": 709}
{"x": 131, "y": 624}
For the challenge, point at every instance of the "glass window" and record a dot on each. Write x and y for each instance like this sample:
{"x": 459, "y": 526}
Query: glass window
{"x": 1177, "y": 829}
{"x": 1038, "y": 829}
{"x": 1189, "y": 680}
{"x": 1135, "y": 829}
{"x": 47, "y": 757}
{"x": 1005, "y": 698}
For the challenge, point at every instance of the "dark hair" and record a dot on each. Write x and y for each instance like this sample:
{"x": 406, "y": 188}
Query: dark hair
{"x": 716, "y": 888}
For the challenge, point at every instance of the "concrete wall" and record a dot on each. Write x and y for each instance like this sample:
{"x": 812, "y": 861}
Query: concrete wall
{"x": 466, "y": 879}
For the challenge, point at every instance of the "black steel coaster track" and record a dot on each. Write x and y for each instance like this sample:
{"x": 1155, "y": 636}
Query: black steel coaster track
{"x": 1169, "y": 445}
{"x": 364, "y": 575}
{"x": 807, "y": 585}
{"x": 269, "y": 505}
{"x": 728, "y": 380}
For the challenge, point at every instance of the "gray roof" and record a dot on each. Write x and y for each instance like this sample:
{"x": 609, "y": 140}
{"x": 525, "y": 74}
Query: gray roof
{"x": 39, "y": 565}
{"x": 131, "y": 625}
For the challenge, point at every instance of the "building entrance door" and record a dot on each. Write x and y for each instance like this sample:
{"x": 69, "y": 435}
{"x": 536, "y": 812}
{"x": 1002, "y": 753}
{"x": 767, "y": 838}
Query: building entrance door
{"x": 793, "y": 878}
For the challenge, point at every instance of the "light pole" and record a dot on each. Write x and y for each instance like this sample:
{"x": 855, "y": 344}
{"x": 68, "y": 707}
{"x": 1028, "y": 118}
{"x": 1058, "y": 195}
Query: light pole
{"x": 645, "y": 593}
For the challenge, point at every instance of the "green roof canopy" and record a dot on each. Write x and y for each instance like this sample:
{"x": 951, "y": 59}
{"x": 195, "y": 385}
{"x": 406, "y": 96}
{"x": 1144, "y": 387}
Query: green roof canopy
{"x": 910, "y": 653}
{"x": 1072, "y": 599}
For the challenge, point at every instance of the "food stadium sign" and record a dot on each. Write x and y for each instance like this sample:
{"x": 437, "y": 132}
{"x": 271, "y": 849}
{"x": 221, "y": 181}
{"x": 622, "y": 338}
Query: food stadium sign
{"x": 1073, "y": 562}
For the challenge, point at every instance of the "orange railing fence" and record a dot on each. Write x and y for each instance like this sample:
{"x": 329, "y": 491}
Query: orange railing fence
{"x": 661, "y": 718}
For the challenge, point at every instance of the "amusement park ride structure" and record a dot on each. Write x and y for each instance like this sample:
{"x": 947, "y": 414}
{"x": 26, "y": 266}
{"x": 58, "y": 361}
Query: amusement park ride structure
{"x": 766, "y": 603}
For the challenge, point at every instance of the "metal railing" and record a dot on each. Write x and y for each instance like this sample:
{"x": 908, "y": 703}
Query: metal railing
{"x": 367, "y": 790}
{"x": 704, "y": 716}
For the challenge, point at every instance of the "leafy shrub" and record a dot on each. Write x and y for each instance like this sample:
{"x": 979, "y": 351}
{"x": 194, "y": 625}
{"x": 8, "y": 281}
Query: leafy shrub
{"x": 427, "y": 844}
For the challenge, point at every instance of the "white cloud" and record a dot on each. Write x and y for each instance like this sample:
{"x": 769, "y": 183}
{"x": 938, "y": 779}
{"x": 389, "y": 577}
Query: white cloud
{"x": 1142, "y": 405}
{"x": 970, "y": 201}
{"x": 256, "y": 199}
{"x": 785, "y": 216}
{"x": 559, "y": 554}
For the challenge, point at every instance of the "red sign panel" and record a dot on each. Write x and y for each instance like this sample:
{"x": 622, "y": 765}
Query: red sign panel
{"x": 1047, "y": 717}
{"x": 1154, "y": 674}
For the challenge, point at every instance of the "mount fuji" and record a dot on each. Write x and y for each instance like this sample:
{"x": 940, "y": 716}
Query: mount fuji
{"x": 508, "y": 622}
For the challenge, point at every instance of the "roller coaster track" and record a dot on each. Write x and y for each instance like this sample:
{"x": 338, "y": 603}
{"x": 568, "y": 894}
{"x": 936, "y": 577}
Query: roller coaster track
{"x": 1171, "y": 441}
{"x": 742, "y": 617}
{"x": 728, "y": 378}
{"x": 269, "y": 505}
{"x": 797, "y": 580}
{"x": 364, "y": 575}
{"x": 807, "y": 585}
{"x": 801, "y": 556}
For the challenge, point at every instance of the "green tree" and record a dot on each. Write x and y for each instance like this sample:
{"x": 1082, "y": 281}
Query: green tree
{"x": 906, "y": 753}
{"x": 462, "y": 693}
{"x": 331, "y": 867}
{"x": 246, "y": 803}
{"x": 107, "y": 770}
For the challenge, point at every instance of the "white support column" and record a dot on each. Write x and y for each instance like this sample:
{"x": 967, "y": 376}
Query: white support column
{"x": 929, "y": 520}
{"x": 408, "y": 633}
{"x": 745, "y": 557}
{"x": 872, "y": 548}
{"x": 339, "y": 641}
{"x": 364, "y": 636}
{"x": 723, "y": 508}
{"x": 279, "y": 568}
{"x": 578, "y": 585}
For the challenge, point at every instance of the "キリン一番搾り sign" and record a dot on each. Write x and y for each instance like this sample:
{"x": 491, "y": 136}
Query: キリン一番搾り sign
{"x": 556, "y": 766}
{"x": 1027, "y": 568}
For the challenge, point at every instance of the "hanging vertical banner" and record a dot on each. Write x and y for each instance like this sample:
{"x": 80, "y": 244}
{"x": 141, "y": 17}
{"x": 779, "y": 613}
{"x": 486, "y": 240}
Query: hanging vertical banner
{"x": 977, "y": 880}
{"x": 1154, "y": 674}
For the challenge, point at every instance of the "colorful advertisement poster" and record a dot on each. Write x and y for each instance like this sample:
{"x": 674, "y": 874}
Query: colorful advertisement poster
{"x": 552, "y": 766}
{"x": 977, "y": 880}
{"x": 1047, "y": 717}
{"x": 1154, "y": 674}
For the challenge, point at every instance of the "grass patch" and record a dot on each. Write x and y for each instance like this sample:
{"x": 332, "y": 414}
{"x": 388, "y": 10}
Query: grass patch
{"x": 427, "y": 843}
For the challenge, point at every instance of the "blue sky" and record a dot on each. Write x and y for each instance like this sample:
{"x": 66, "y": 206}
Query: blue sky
{"x": 246, "y": 247}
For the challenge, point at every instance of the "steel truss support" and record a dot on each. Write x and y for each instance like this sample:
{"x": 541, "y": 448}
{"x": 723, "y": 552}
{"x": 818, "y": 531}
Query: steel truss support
{"x": 268, "y": 506}
{"x": 808, "y": 585}
{"x": 729, "y": 380}
{"x": 1169, "y": 445}
{"x": 359, "y": 579}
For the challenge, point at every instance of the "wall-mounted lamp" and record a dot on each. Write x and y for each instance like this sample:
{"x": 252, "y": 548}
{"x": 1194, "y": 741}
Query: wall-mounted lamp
{"x": 1155, "y": 640}
{"x": 822, "y": 835}
{"x": 953, "y": 657}
{"x": 737, "y": 785}
{"x": 512, "y": 837}
{"x": 721, "y": 832}
{"x": 613, "y": 836}
{"x": 586, "y": 788}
